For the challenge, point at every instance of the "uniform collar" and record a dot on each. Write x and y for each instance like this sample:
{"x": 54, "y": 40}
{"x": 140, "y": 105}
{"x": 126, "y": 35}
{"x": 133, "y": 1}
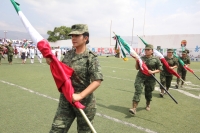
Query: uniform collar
{"x": 148, "y": 57}
{"x": 171, "y": 57}
{"x": 82, "y": 55}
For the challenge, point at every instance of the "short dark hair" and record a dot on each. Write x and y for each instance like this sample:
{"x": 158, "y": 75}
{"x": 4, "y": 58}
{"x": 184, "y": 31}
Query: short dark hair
{"x": 86, "y": 34}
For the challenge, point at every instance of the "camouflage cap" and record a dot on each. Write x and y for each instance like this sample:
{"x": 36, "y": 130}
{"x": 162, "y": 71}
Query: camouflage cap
{"x": 170, "y": 50}
{"x": 78, "y": 29}
{"x": 184, "y": 52}
{"x": 149, "y": 46}
{"x": 188, "y": 51}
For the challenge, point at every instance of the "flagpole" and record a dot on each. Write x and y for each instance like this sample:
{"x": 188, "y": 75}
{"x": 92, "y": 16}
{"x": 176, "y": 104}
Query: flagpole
{"x": 110, "y": 31}
{"x": 183, "y": 81}
{"x": 164, "y": 89}
{"x": 144, "y": 17}
{"x": 196, "y": 76}
{"x": 87, "y": 120}
{"x": 132, "y": 32}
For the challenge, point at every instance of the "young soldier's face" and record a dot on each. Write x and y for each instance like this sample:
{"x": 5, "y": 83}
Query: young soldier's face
{"x": 184, "y": 55}
{"x": 169, "y": 53}
{"x": 148, "y": 52}
{"x": 78, "y": 40}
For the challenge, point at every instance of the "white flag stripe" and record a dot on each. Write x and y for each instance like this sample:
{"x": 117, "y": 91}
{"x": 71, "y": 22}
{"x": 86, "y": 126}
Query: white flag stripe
{"x": 35, "y": 36}
{"x": 158, "y": 54}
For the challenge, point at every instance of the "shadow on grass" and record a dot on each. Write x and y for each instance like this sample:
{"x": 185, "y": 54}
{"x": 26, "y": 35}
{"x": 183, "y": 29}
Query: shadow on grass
{"x": 125, "y": 111}
{"x": 124, "y": 90}
{"x": 120, "y": 109}
{"x": 156, "y": 94}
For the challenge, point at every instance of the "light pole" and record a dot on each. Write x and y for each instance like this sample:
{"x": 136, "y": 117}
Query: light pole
{"x": 5, "y": 35}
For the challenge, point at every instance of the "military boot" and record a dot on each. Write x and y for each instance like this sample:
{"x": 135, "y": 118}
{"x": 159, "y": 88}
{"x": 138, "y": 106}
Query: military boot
{"x": 182, "y": 84}
{"x": 148, "y": 105}
{"x": 162, "y": 93}
{"x": 132, "y": 111}
{"x": 177, "y": 86}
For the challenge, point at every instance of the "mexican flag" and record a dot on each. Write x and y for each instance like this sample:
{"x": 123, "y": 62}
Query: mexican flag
{"x": 163, "y": 60}
{"x": 125, "y": 46}
{"x": 120, "y": 49}
{"x": 183, "y": 64}
{"x": 60, "y": 71}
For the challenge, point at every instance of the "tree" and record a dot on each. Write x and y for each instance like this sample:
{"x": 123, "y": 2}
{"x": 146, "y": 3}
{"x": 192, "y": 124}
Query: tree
{"x": 59, "y": 33}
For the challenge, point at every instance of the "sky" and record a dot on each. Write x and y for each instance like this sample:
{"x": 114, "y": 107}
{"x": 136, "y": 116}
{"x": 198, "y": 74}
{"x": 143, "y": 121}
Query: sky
{"x": 124, "y": 17}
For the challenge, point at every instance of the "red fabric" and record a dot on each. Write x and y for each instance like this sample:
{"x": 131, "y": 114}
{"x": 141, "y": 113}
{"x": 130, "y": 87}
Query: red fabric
{"x": 188, "y": 69}
{"x": 145, "y": 68}
{"x": 168, "y": 68}
{"x": 16, "y": 52}
{"x": 61, "y": 73}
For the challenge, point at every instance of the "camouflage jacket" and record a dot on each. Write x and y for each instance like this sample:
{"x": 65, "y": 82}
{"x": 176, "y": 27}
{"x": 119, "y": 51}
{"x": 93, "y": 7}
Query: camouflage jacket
{"x": 10, "y": 50}
{"x": 1, "y": 49}
{"x": 153, "y": 63}
{"x": 186, "y": 61}
{"x": 86, "y": 68}
{"x": 172, "y": 62}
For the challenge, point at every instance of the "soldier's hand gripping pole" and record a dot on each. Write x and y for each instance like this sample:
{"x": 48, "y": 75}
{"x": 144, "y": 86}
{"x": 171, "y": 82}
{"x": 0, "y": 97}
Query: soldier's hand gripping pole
{"x": 165, "y": 89}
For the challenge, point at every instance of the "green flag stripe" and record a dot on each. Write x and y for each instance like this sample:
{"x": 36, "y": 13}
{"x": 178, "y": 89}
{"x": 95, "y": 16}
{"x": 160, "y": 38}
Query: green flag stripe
{"x": 143, "y": 41}
{"x": 124, "y": 55}
{"x": 121, "y": 49}
{"x": 16, "y": 5}
{"x": 124, "y": 44}
{"x": 179, "y": 59}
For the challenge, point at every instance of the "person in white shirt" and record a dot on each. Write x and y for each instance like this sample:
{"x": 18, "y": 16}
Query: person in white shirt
{"x": 16, "y": 51}
{"x": 26, "y": 53}
{"x": 64, "y": 51}
{"x": 39, "y": 55}
{"x": 58, "y": 52}
{"x": 32, "y": 54}
{"x": 19, "y": 51}
{"x": 53, "y": 51}
{"x": 22, "y": 52}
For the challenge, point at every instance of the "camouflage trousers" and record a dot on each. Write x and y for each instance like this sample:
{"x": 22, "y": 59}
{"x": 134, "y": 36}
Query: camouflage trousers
{"x": 66, "y": 113}
{"x": 165, "y": 81}
{"x": 182, "y": 73}
{"x": 10, "y": 57}
{"x": 1, "y": 55}
{"x": 148, "y": 82}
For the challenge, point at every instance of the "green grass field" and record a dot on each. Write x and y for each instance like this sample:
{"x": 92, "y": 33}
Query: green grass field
{"x": 29, "y": 99}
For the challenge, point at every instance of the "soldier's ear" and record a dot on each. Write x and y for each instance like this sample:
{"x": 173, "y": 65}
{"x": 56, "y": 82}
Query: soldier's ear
{"x": 86, "y": 37}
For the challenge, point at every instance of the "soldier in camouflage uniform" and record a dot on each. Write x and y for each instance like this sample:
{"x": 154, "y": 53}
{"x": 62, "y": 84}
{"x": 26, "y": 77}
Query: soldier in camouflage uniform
{"x": 154, "y": 65}
{"x": 86, "y": 78}
{"x": 10, "y": 52}
{"x": 181, "y": 70}
{"x": 1, "y": 52}
{"x": 165, "y": 76}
